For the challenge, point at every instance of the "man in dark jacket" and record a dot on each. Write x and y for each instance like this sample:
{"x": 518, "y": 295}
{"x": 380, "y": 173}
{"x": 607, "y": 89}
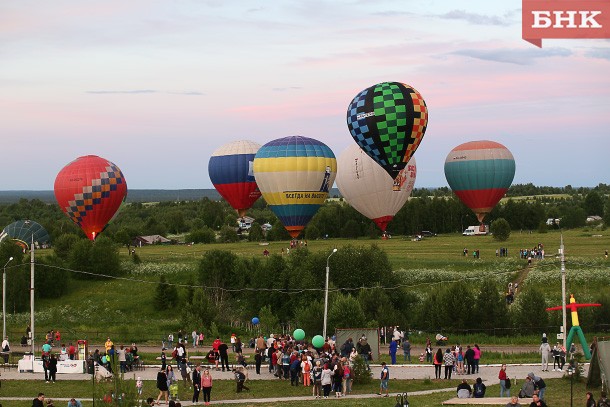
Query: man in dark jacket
{"x": 223, "y": 350}
{"x": 196, "y": 384}
{"x": 38, "y": 401}
{"x": 469, "y": 356}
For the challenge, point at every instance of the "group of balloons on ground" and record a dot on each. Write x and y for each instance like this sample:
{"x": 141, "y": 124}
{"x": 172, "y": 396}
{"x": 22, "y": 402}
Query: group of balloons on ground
{"x": 299, "y": 334}
{"x": 294, "y": 174}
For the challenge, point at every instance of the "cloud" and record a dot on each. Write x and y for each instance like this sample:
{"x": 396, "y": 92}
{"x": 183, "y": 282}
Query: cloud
{"x": 140, "y": 92}
{"x": 475, "y": 18}
{"x": 288, "y": 88}
{"x": 514, "y": 56}
{"x": 597, "y": 52}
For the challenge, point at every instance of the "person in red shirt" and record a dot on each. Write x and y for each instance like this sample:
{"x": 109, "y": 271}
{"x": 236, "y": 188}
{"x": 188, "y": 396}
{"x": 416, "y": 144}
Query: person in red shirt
{"x": 71, "y": 352}
{"x": 216, "y": 343}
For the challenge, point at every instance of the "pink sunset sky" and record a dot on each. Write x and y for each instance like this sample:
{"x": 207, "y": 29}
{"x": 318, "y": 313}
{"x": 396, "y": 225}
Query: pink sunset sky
{"x": 157, "y": 86}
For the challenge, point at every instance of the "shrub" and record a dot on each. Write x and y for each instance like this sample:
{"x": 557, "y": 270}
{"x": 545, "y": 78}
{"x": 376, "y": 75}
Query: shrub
{"x": 361, "y": 372}
{"x": 500, "y": 229}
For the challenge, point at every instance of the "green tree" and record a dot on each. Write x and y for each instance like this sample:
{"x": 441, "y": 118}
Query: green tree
{"x": 63, "y": 245}
{"x": 268, "y": 321}
{"x": 351, "y": 230}
{"x": 166, "y": 295}
{"x": 530, "y": 310}
{"x": 255, "y": 234}
{"x": 220, "y": 270}
{"x": 228, "y": 235}
{"x": 594, "y": 204}
{"x": 310, "y": 317}
{"x": 344, "y": 312}
{"x": 94, "y": 259}
{"x": 200, "y": 311}
{"x": 203, "y": 235}
{"x": 490, "y": 306}
{"x": 500, "y": 229}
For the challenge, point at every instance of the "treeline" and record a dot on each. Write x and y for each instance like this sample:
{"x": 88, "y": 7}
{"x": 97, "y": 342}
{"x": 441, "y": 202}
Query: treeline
{"x": 207, "y": 221}
{"x": 282, "y": 290}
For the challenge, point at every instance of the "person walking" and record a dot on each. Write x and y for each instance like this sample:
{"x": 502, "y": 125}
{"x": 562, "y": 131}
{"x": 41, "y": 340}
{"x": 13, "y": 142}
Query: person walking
{"x": 385, "y": 380}
{"x": 162, "y": 386}
{"x": 503, "y": 381}
{"x": 206, "y": 386}
{"x": 590, "y": 400}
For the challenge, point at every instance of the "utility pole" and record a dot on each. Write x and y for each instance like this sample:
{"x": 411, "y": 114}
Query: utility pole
{"x": 32, "y": 297}
{"x": 563, "y": 292}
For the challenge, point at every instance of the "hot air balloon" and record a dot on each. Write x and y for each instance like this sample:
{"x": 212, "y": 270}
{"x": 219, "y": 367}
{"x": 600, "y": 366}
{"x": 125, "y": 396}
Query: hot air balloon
{"x": 294, "y": 175}
{"x": 230, "y": 169}
{"x": 388, "y": 121}
{"x": 480, "y": 173}
{"x": 90, "y": 191}
{"x": 369, "y": 189}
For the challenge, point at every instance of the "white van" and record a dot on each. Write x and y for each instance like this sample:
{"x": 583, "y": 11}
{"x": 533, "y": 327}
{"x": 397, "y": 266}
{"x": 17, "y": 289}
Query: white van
{"x": 476, "y": 230}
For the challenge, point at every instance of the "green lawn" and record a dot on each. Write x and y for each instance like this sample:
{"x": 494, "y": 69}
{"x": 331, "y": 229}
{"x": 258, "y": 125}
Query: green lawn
{"x": 92, "y": 309}
{"x": 558, "y": 392}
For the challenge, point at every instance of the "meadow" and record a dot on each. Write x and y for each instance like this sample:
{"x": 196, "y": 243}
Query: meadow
{"x": 93, "y": 309}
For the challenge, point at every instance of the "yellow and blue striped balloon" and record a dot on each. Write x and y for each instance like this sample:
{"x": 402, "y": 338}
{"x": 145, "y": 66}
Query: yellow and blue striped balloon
{"x": 295, "y": 174}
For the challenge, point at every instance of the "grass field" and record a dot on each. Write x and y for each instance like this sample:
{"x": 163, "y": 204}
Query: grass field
{"x": 92, "y": 309}
{"x": 558, "y": 392}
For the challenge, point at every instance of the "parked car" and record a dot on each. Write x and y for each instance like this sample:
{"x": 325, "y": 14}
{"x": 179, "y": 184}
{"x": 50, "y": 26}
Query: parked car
{"x": 427, "y": 233}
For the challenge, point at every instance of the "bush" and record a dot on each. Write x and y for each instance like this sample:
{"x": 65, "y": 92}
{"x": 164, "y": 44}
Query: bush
{"x": 228, "y": 235}
{"x": 203, "y": 235}
{"x": 360, "y": 371}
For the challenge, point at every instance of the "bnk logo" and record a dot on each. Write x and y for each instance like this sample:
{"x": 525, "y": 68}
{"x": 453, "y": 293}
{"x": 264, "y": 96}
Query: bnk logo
{"x": 565, "y": 19}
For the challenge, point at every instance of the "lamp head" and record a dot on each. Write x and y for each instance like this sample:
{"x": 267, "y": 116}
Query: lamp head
{"x": 10, "y": 258}
{"x": 334, "y": 251}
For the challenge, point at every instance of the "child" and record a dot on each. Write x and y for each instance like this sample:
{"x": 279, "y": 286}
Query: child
{"x": 139, "y": 385}
{"x": 421, "y": 358}
{"x": 173, "y": 391}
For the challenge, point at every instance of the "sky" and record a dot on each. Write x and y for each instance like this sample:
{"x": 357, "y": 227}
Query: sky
{"x": 156, "y": 86}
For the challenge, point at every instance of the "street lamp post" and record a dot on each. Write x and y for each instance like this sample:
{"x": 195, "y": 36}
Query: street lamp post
{"x": 4, "y": 297}
{"x": 326, "y": 294}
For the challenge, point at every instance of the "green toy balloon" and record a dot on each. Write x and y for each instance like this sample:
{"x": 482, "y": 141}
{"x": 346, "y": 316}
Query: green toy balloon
{"x": 298, "y": 334}
{"x": 318, "y": 341}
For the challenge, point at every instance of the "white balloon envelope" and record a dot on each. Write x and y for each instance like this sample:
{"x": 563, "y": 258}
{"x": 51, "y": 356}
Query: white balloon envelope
{"x": 369, "y": 189}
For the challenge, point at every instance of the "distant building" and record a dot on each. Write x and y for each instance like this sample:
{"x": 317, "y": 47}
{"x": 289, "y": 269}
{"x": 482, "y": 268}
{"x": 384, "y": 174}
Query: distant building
{"x": 140, "y": 241}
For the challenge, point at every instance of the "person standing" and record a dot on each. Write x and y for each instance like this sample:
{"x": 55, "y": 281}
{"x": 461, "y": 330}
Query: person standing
{"x": 258, "y": 360}
{"x": 393, "y": 349}
{"x": 385, "y": 380}
{"x": 590, "y": 400}
{"x": 438, "y": 362}
{"x": 196, "y": 383}
{"x": 448, "y": 361}
{"x": 326, "y": 380}
{"x": 476, "y": 358}
{"x": 503, "y": 379}
{"x": 52, "y": 368}
{"x": 545, "y": 349}
{"x": 206, "y": 386}
{"x": 223, "y": 351}
{"x": 406, "y": 349}
{"x": 469, "y": 357}
{"x": 317, "y": 379}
